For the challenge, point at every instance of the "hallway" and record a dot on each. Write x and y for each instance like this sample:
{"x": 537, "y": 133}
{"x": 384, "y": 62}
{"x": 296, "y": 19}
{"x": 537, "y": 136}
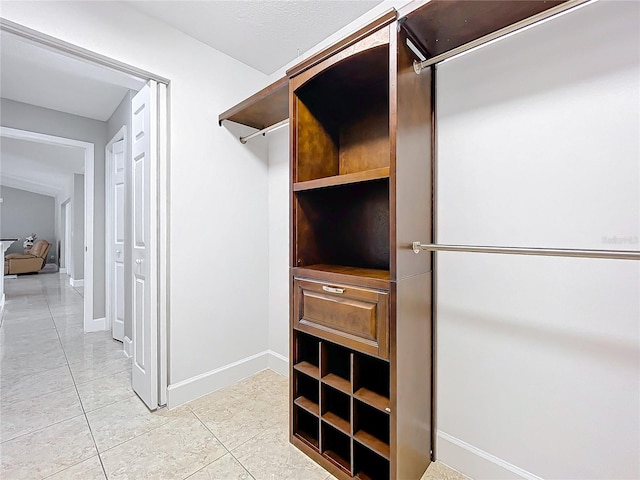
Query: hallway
{"x": 67, "y": 410}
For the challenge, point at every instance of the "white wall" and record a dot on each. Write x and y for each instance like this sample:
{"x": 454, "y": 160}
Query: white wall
{"x": 51, "y": 122}
{"x": 279, "y": 242}
{"x": 77, "y": 228}
{"x": 24, "y": 213}
{"x": 218, "y": 190}
{"x": 539, "y": 358}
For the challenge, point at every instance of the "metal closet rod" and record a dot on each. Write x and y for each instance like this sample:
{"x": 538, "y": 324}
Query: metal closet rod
{"x": 570, "y": 4}
{"x": 545, "y": 252}
{"x": 270, "y": 128}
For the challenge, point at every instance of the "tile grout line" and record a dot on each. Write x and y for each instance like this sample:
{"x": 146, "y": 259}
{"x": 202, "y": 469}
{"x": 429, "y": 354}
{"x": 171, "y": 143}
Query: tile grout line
{"x": 77, "y": 392}
{"x": 223, "y": 445}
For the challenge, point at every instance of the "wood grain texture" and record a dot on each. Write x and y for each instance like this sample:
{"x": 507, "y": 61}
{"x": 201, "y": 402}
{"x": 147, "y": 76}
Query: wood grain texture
{"x": 442, "y": 25}
{"x": 263, "y": 109}
{"x": 343, "y": 179}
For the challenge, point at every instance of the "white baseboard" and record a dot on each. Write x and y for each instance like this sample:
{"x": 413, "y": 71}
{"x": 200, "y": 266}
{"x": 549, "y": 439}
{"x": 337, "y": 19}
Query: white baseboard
{"x": 278, "y": 363}
{"x": 96, "y": 325}
{"x": 63, "y": 270}
{"x": 76, "y": 283}
{"x": 476, "y": 463}
{"x": 2, "y": 303}
{"x": 203, "y": 384}
{"x": 127, "y": 346}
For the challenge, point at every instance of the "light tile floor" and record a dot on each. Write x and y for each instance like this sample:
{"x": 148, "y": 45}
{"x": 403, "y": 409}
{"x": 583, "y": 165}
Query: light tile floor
{"x": 67, "y": 410}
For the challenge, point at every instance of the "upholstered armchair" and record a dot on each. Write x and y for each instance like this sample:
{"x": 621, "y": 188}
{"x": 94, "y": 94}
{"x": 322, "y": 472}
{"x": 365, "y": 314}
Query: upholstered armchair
{"x": 29, "y": 262}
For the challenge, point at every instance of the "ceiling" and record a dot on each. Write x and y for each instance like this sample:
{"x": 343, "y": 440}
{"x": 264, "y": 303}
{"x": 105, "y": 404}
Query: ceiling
{"x": 264, "y": 34}
{"x": 39, "y": 76}
{"x": 38, "y": 167}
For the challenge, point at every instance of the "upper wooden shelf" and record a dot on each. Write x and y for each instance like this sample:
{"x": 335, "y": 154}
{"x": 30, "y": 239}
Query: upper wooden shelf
{"x": 263, "y": 109}
{"x": 336, "y": 180}
{"x": 442, "y": 25}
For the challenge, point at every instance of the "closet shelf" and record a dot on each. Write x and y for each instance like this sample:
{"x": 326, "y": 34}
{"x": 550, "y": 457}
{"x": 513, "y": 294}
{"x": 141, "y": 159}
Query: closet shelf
{"x": 372, "y": 443}
{"x": 337, "y": 422}
{"x": 263, "y": 109}
{"x": 308, "y": 369}
{"x": 338, "y": 383}
{"x": 372, "y": 399}
{"x": 346, "y": 179}
{"x": 308, "y": 405}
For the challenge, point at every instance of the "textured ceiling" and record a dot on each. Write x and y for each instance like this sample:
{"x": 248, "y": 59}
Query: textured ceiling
{"x": 39, "y": 76}
{"x": 38, "y": 167}
{"x": 264, "y": 34}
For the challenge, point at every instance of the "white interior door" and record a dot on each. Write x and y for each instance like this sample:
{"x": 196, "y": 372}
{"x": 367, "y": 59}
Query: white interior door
{"x": 117, "y": 231}
{"x": 144, "y": 116}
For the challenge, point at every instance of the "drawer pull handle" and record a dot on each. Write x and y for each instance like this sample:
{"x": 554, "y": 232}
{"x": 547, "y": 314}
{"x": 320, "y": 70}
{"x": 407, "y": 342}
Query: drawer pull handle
{"x": 332, "y": 289}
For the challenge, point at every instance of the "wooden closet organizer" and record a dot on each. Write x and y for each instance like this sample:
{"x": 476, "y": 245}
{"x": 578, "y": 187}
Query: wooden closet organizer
{"x": 362, "y": 144}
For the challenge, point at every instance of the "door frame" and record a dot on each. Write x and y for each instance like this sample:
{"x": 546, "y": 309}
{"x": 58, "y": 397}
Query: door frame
{"x": 65, "y": 235}
{"x": 162, "y": 252}
{"x": 90, "y": 324}
{"x": 109, "y": 208}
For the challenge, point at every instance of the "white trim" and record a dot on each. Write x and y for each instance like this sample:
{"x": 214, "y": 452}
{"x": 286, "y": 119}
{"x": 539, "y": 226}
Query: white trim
{"x": 14, "y": 181}
{"x": 127, "y": 346}
{"x": 76, "y": 283}
{"x": 89, "y": 181}
{"x": 205, "y": 383}
{"x": 278, "y": 363}
{"x": 475, "y": 462}
{"x": 2, "y": 303}
{"x": 63, "y": 269}
{"x": 163, "y": 242}
{"x": 96, "y": 325}
{"x": 109, "y": 204}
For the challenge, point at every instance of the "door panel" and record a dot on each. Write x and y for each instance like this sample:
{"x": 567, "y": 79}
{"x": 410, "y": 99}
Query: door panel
{"x": 143, "y": 244}
{"x": 116, "y": 310}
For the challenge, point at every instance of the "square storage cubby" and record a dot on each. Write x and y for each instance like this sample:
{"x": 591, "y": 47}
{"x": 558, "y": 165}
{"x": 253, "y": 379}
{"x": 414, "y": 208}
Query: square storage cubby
{"x": 307, "y": 355}
{"x": 344, "y": 225}
{"x": 343, "y": 118}
{"x": 371, "y": 382}
{"x": 369, "y": 465}
{"x": 306, "y": 393}
{"x": 336, "y": 446}
{"x": 371, "y": 428}
{"x": 336, "y": 367}
{"x": 336, "y": 409}
{"x": 306, "y": 427}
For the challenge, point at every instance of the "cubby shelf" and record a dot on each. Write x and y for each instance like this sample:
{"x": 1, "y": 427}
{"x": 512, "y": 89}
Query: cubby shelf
{"x": 337, "y": 382}
{"x": 372, "y": 443}
{"x": 338, "y": 422}
{"x": 346, "y": 179}
{"x": 308, "y": 369}
{"x": 373, "y": 399}
{"x": 308, "y": 405}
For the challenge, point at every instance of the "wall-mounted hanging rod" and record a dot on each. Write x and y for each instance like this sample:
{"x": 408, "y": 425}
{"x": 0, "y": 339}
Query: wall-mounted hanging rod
{"x": 270, "y": 128}
{"x": 546, "y": 252}
{"x": 419, "y": 66}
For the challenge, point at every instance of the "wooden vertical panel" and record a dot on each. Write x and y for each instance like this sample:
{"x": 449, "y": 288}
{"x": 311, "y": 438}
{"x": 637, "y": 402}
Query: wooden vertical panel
{"x": 411, "y": 376}
{"x": 413, "y": 163}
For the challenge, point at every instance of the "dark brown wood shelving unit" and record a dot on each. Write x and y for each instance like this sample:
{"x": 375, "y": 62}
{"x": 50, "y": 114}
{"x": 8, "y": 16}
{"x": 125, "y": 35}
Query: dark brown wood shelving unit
{"x": 361, "y": 142}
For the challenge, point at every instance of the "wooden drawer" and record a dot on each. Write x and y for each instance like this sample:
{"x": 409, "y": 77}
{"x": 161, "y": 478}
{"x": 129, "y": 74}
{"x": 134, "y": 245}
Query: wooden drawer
{"x": 356, "y": 317}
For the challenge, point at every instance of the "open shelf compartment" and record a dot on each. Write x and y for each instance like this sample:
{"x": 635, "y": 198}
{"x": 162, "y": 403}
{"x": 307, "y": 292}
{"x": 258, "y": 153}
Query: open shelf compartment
{"x": 336, "y": 446}
{"x": 343, "y": 118}
{"x": 346, "y": 225}
{"x": 371, "y": 382}
{"x": 307, "y": 355}
{"x": 306, "y": 427}
{"x": 336, "y": 367}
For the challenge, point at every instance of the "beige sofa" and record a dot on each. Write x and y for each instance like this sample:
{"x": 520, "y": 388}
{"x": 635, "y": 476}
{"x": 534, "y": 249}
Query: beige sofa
{"x": 30, "y": 262}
